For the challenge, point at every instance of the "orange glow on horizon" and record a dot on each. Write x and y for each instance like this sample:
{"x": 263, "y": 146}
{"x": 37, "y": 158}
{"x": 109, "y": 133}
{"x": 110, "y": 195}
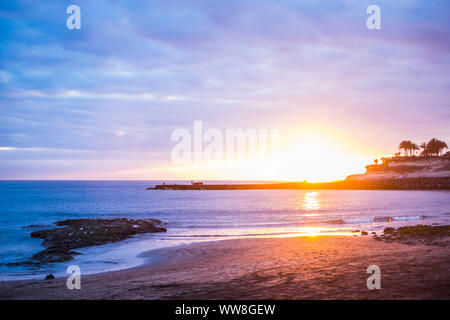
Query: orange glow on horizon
{"x": 311, "y": 155}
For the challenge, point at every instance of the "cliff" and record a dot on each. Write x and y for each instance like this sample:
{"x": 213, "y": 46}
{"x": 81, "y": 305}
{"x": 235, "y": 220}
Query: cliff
{"x": 406, "y": 167}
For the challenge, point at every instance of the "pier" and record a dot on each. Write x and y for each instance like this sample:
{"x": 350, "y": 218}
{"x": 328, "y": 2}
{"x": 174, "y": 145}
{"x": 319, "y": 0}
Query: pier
{"x": 437, "y": 183}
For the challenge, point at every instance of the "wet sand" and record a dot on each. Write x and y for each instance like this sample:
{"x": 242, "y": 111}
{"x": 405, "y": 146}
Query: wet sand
{"x": 325, "y": 267}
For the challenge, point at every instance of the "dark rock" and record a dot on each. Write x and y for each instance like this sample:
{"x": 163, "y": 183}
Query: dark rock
{"x": 35, "y": 226}
{"x": 80, "y": 233}
{"x": 424, "y": 231}
{"x": 53, "y": 254}
{"x": 419, "y": 234}
{"x": 49, "y": 277}
{"x": 364, "y": 233}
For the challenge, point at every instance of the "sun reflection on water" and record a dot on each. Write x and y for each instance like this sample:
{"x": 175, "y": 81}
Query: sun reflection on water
{"x": 316, "y": 231}
{"x": 311, "y": 201}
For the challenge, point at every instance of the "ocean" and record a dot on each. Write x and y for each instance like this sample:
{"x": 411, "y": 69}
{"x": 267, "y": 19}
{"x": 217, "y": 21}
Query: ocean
{"x": 193, "y": 216}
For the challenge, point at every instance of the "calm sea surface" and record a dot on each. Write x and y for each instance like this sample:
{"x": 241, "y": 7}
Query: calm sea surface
{"x": 193, "y": 216}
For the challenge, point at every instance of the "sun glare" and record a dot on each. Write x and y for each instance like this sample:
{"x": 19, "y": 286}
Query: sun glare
{"x": 314, "y": 156}
{"x": 311, "y": 201}
{"x": 319, "y": 160}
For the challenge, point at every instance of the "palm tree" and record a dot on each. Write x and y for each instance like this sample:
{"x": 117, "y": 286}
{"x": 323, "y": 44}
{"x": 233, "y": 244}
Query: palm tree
{"x": 405, "y": 145}
{"x": 409, "y": 147}
{"x": 376, "y": 161}
{"x": 424, "y": 147}
{"x": 435, "y": 147}
{"x": 414, "y": 148}
{"x": 442, "y": 146}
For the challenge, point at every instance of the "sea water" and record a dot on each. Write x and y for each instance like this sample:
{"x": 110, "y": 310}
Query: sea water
{"x": 193, "y": 216}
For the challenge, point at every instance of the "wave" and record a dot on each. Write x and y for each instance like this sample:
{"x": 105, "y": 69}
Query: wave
{"x": 364, "y": 220}
{"x": 383, "y": 219}
{"x": 307, "y": 223}
{"x": 359, "y": 220}
{"x": 409, "y": 218}
{"x": 219, "y": 236}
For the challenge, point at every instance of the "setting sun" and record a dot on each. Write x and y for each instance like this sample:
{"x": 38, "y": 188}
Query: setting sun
{"x": 302, "y": 154}
{"x": 317, "y": 160}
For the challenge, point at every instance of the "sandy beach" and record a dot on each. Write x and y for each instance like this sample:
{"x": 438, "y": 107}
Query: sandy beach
{"x": 320, "y": 267}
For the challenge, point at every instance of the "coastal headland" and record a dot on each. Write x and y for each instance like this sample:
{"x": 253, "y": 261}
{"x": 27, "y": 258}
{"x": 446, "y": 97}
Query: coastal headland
{"x": 396, "y": 173}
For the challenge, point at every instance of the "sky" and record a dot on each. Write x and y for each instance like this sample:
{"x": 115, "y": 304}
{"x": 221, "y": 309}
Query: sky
{"x": 103, "y": 101}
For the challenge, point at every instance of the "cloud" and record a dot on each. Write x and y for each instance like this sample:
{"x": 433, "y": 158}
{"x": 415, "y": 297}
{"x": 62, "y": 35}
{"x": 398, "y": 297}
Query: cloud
{"x": 147, "y": 67}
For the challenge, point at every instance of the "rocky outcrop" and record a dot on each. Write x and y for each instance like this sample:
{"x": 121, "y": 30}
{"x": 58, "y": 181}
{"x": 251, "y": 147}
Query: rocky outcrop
{"x": 420, "y": 234}
{"x": 407, "y": 167}
{"x": 80, "y": 233}
{"x": 441, "y": 183}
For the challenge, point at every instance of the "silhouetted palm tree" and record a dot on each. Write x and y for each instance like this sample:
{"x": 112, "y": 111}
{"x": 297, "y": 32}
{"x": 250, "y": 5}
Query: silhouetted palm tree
{"x": 442, "y": 146}
{"x": 409, "y": 147}
{"x": 424, "y": 147}
{"x": 405, "y": 145}
{"x": 438, "y": 146}
{"x": 434, "y": 147}
{"x": 414, "y": 148}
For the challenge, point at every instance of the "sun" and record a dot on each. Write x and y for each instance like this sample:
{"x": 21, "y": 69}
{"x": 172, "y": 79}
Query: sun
{"x": 314, "y": 156}
{"x": 318, "y": 160}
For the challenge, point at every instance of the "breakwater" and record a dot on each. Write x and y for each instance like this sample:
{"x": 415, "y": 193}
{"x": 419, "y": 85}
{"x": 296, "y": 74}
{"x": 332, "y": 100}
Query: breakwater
{"x": 432, "y": 183}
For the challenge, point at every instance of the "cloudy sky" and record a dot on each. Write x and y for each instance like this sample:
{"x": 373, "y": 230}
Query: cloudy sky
{"x": 102, "y": 102}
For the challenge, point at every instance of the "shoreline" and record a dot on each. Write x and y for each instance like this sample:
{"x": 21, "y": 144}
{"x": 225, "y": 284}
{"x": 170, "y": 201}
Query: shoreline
{"x": 319, "y": 267}
{"x": 150, "y": 257}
